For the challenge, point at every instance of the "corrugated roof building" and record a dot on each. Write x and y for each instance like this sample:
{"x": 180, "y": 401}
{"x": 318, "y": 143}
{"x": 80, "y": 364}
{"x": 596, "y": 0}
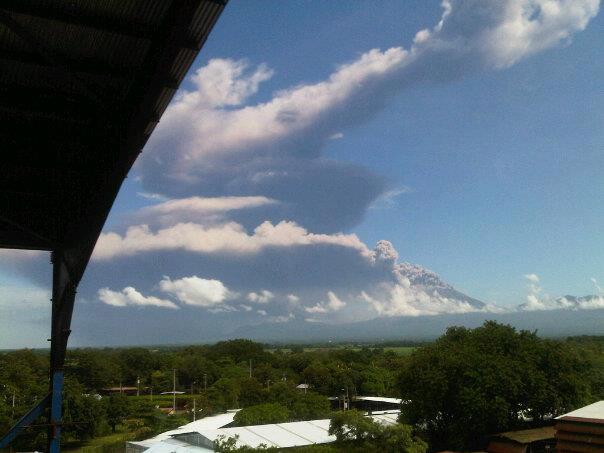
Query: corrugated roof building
{"x": 581, "y": 430}
{"x": 159, "y": 441}
{"x": 201, "y": 436}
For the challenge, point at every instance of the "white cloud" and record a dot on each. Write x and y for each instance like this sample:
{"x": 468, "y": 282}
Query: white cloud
{"x": 388, "y": 198}
{"x": 534, "y": 300}
{"x": 292, "y": 298}
{"x": 225, "y": 83}
{"x": 336, "y": 136}
{"x": 262, "y": 297}
{"x": 213, "y": 120}
{"x": 131, "y": 297}
{"x": 281, "y": 318}
{"x": 407, "y": 300}
{"x": 261, "y": 312}
{"x": 152, "y": 196}
{"x": 224, "y": 131}
{"x": 229, "y": 238}
{"x": 197, "y": 291}
{"x": 194, "y": 209}
{"x": 333, "y": 304}
{"x": 537, "y": 301}
{"x": 597, "y": 286}
{"x": 245, "y": 307}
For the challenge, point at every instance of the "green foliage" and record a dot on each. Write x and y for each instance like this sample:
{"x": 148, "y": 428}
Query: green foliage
{"x": 229, "y": 444}
{"x": 251, "y": 392}
{"x": 262, "y": 414}
{"x": 117, "y": 407}
{"x": 376, "y": 381}
{"x": 225, "y": 394}
{"x": 309, "y": 406}
{"x": 477, "y": 380}
{"x": 353, "y": 427}
{"x": 471, "y": 383}
{"x": 83, "y": 414}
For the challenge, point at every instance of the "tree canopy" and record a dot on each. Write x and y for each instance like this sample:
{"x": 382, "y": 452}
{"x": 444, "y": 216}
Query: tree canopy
{"x": 474, "y": 382}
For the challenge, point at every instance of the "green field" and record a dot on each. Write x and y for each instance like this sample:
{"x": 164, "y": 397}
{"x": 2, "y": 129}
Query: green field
{"x": 400, "y": 350}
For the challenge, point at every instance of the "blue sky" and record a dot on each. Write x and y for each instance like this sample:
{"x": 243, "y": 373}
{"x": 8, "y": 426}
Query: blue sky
{"x": 475, "y": 151}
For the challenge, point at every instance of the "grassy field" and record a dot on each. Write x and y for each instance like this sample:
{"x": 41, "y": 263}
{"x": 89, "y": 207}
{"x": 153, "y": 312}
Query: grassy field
{"x": 112, "y": 443}
{"x": 401, "y": 350}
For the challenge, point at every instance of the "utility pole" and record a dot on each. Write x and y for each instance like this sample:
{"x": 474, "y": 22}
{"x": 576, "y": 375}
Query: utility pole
{"x": 194, "y": 404}
{"x": 138, "y": 382}
{"x": 174, "y": 391}
{"x": 250, "y": 368}
{"x": 205, "y": 382}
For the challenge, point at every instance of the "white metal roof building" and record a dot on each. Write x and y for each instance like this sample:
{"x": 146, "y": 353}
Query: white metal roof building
{"x": 280, "y": 435}
{"x": 200, "y": 436}
{"x": 206, "y": 423}
{"x": 379, "y": 399}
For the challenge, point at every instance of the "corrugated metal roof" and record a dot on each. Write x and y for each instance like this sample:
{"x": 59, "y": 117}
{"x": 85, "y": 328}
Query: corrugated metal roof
{"x": 526, "y": 436}
{"x": 280, "y": 435}
{"x": 176, "y": 446}
{"x": 388, "y": 418}
{"x": 380, "y": 399}
{"x": 206, "y": 423}
{"x": 286, "y": 435}
{"x": 91, "y": 78}
{"x": 277, "y": 435}
{"x": 594, "y": 411}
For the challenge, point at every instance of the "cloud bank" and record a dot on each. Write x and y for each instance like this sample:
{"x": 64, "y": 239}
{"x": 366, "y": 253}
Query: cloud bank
{"x": 249, "y": 210}
{"x": 213, "y": 141}
{"x": 131, "y": 297}
{"x": 228, "y": 238}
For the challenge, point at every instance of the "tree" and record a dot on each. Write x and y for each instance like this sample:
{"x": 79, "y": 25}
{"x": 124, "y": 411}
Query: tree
{"x": 251, "y": 393}
{"x": 262, "y": 414}
{"x": 376, "y": 381}
{"x": 84, "y": 415}
{"x": 310, "y": 406}
{"x": 117, "y": 409}
{"x": 352, "y": 427}
{"x": 471, "y": 383}
{"x": 224, "y": 393}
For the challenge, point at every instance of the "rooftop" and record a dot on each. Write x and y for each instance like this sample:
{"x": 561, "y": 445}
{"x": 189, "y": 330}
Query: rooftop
{"x": 526, "y": 436}
{"x": 379, "y": 399}
{"x": 278, "y": 435}
{"x": 593, "y": 412}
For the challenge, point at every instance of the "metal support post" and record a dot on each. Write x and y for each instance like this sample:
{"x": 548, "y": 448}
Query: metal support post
{"x": 56, "y": 407}
{"x": 63, "y": 296}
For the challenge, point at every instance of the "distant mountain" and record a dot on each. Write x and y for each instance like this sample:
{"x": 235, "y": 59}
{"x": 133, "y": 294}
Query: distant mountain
{"x": 430, "y": 282}
{"x": 551, "y": 323}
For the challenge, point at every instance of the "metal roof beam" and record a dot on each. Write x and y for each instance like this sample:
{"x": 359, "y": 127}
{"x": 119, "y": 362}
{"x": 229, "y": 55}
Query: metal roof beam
{"x": 70, "y": 14}
{"x": 106, "y": 24}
